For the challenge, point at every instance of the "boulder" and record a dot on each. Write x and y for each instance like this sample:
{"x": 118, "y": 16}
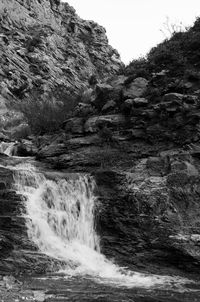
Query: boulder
{"x": 135, "y": 89}
{"x": 177, "y": 98}
{"x": 129, "y": 103}
{"x": 114, "y": 121}
{"x": 140, "y": 102}
{"x": 87, "y": 96}
{"x": 135, "y": 103}
{"x": 74, "y": 125}
{"x": 173, "y": 98}
{"x": 109, "y": 106}
{"x": 103, "y": 88}
{"x": 105, "y": 93}
{"x": 83, "y": 110}
{"x": 118, "y": 81}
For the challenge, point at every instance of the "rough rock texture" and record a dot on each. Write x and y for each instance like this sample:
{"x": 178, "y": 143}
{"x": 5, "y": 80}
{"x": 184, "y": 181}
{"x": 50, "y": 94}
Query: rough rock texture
{"x": 145, "y": 159}
{"x": 149, "y": 217}
{"x": 44, "y": 44}
{"x": 137, "y": 124}
{"x": 143, "y": 150}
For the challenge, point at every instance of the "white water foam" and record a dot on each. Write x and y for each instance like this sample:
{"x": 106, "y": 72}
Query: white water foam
{"x": 61, "y": 223}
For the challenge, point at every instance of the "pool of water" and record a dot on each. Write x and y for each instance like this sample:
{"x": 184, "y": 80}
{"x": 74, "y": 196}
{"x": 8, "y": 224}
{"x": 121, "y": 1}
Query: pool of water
{"x": 83, "y": 289}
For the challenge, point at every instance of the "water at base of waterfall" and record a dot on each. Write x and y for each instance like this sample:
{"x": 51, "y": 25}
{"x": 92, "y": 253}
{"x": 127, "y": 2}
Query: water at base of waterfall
{"x": 61, "y": 222}
{"x": 59, "y": 288}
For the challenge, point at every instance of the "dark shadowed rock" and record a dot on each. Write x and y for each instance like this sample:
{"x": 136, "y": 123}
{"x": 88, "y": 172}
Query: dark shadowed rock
{"x": 135, "y": 89}
{"x": 114, "y": 121}
{"x": 109, "y": 106}
{"x": 140, "y": 102}
{"x": 84, "y": 110}
{"x": 74, "y": 125}
{"x": 154, "y": 219}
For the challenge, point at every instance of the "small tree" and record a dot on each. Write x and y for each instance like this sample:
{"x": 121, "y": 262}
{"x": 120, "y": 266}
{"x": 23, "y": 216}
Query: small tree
{"x": 169, "y": 28}
{"x": 46, "y": 112}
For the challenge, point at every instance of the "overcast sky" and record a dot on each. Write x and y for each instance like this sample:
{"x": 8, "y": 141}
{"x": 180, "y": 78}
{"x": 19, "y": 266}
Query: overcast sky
{"x": 134, "y": 26}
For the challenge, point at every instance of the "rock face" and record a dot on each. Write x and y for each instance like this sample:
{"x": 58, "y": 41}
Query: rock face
{"x": 148, "y": 218}
{"x": 143, "y": 150}
{"x": 44, "y": 44}
{"x": 12, "y": 226}
{"x": 136, "y": 125}
{"x": 145, "y": 159}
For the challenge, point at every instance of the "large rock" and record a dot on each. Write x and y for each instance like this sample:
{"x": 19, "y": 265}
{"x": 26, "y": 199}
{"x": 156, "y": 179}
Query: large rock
{"x": 74, "y": 125}
{"x": 135, "y": 89}
{"x": 103, "y": 94}
{"x": 109, "y": 106}
{"x": 173, "y": 97}
{"x": 113, "y": 121}
{"x": 84, "y": 110}
{"x": 130, "y": 104}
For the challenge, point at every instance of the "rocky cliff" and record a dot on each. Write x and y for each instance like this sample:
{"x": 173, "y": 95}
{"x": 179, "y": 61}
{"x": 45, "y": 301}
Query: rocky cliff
{"x": 144, "y": 155}
{"x": 139, "y": 136}
{"x": 44, "y": 44}
{"x": 137, "y": 133}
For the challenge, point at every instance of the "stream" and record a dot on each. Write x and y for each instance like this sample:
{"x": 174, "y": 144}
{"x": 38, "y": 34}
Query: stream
{"x": 60, "y": 221}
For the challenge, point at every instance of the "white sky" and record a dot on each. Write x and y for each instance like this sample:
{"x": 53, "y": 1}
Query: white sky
{"x": 133, "y": 26}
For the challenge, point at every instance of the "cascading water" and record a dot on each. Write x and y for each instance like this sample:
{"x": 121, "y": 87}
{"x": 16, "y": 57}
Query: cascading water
{"x": 60, "y": 221}
{"x": 61, "y": 212}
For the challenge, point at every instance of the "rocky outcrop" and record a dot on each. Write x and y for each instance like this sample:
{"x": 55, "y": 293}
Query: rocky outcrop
{"x": 137, "y": 128}
{"x": 152, "y": 212}
{"x": 43, "y": 45}
{"x": 145, "y": 159}
{"x": 141, "y": 145}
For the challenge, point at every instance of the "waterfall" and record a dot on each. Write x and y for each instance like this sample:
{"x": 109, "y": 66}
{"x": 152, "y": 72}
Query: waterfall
{"x": 60, "y": 221}
{"x": 61, "y": 211}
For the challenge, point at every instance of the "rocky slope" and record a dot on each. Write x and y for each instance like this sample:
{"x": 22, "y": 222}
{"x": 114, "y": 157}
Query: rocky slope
{"x": 145, "y": 158}
{"x": 44, "y": 44}
{"x": 139, "y": 136}
{"x": 140, "y": 139}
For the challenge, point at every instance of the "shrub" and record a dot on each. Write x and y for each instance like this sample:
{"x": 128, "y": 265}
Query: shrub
{"x": 176, "y": 54}
{"x": 11, "y": 119}
{"x": 46, "y": 112}
{"x": 138, "y": 68}
{"x": 168, "y": 55}
{"x": 21, "y": 132}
